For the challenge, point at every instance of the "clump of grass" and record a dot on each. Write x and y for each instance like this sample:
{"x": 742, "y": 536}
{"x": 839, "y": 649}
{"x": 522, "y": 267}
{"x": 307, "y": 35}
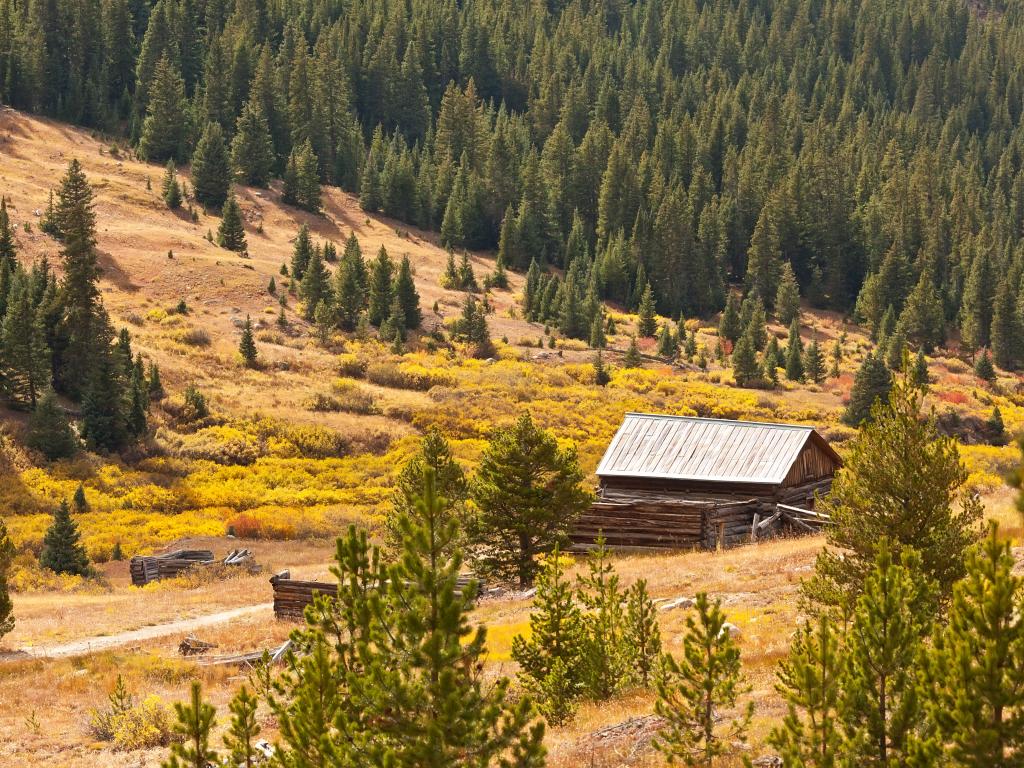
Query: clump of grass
{"x": 193, "y": 337}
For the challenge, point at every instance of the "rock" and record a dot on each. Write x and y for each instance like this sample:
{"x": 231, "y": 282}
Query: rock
{"x": 494, "y": 592}
{"x": 677, "y": 602}
{"x": 768, "y": 761}
{"x": 528, "y": 594}
{"x": 731, "y": 628}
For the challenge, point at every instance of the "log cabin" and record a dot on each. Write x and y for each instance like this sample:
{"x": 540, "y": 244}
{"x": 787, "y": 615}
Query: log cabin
{"x": 681, "y": 482}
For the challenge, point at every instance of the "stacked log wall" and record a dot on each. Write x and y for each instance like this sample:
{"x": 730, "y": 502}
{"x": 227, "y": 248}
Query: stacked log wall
{"x": 666, "y": 519}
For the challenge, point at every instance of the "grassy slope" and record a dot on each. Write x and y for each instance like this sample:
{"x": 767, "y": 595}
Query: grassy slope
{"x": 141, "y": 283}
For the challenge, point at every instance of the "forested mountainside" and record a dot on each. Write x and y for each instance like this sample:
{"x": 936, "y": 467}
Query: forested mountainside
{"x": 873, "y": 145}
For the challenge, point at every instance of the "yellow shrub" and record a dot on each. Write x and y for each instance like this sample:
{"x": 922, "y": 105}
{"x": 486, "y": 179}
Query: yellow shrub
{"x": 144, "y": 726}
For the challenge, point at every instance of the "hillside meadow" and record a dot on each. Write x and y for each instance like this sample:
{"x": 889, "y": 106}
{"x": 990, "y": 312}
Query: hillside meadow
{"x": 310, "y": 441}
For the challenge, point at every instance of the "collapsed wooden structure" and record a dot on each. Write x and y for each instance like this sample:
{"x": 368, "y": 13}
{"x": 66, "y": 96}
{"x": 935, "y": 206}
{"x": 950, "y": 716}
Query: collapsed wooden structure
{"x": 291, "y": 596}
{"x": 674, "y": 482}
{"x": 145, "y": 569}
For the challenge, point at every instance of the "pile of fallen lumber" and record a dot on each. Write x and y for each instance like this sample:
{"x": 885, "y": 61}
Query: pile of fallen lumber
{"x": 193, "y": 646}
{"x": 291, "y": 596}
{"x": 155, "y": 567}
{"x": 804, "y": 520}
{"x": 145, "y": 569}
{"x": 251, "y": 659}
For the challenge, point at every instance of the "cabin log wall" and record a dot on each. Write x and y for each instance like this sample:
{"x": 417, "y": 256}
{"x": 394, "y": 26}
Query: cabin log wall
{"x": 637, "y": 514}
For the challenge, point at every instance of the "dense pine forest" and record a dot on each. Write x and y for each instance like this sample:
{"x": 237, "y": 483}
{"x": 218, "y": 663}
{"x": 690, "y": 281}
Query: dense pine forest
{"x": 875, "y": 146}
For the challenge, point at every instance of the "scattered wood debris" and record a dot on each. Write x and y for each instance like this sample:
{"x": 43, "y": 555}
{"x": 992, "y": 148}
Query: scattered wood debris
{"x": 193, "y": 646}
{"x": 627, "y": 741}
{"x": 156, "y": 567}
{"x": 273, "y": 656}
{"x": 145, "y": 569}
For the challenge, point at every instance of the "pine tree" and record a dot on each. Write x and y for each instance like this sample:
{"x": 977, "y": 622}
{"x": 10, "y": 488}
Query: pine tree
{"x": 794, "y": 353}
{"x": 837, "y": 358}
{"x": 195, "y": 722}
{"x": 104, "y": 415}
{"x": 165, "y": 129}
{"x": 450, "y": 276}
{"x": 605, "y": 662}
{"x": 896, "y": 347}
{"x": 668, "y": 346}
{"x": 211, "y": 171}
{"x": 597, "y": 336}
{"x": 247, "y": 345}
{"x": 62, "y": 551}
{"x": 170, "y": 189}
{"x": 231, "y": 232}
{"x": 601, "y": 377}
{"x": 983, "y": 368}
{"x": 435, "y": 454}
{"x": 632, "y": 358}
{"x": 381, "y": 277}
{"x": 706, "y": 680}
{"x": 75, "y": 220}
{"x": 350, "y": 286}
{"x": 466, "y": 276}
{"x": 730, "y": 327}
{"x": 24, "y": 357}
{"x": 919, "y": 371}
{"x": 975, "y": 682}
{"x": 154, "y": 386}
{"x": 8, "y": 245}
{"x": 744, "y": 362}
{"x": 902, "y": 480}
{"x": 302, "y": 178}
{"x": 407, "y": 295}
{"x": 810, "y": 734}
{"x": 647, "y": 325}
{"x": 995, "y": 427}
{"x": 6, "y": 562}
{"x": 252, "y": 149}
{"x": 787, "y": 300}
{"x": 499, "y": 277}
{"x": 813, "y": 364}
{"x": 316, "y": 285}
{"x": 643, "y": 635}
{"x": 49, "y": 430}
{"x": 1007, "y": 330}
{"x": 81, "y": 503}
{"x": 302, "y": 252}
{"x": 240, "y": 740}
{"x": 871, "y": 384}
{"x": 397, "y": 668}
{"x": 879, "y": 706}
{"x": 528, "y": 493}
{"x": 554, "y": 647}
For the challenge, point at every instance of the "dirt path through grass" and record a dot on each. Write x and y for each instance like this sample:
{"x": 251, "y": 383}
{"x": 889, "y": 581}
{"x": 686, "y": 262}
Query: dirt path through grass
{"x": 120, "y": 639}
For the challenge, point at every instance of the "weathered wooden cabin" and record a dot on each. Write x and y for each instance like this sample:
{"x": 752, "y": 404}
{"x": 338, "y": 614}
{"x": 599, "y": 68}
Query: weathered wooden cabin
{"x": 680, "y": 482}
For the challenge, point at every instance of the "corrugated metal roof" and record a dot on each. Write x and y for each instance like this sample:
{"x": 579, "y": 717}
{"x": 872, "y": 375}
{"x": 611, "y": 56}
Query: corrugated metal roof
{"x": 717, "y": 450}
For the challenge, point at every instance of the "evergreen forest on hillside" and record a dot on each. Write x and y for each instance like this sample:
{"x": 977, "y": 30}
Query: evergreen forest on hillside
{"x": 872, "y": 146}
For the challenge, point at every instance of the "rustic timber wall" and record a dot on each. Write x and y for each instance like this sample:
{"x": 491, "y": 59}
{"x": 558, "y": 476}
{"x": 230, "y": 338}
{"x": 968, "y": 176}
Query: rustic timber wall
{"x": 649, "y": 519}
{"x": 291, "y": 596}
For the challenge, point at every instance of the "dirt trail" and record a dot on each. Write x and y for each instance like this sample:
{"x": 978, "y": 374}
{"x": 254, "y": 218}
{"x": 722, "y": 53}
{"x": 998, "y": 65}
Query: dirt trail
{"x": 96, "y": 644}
